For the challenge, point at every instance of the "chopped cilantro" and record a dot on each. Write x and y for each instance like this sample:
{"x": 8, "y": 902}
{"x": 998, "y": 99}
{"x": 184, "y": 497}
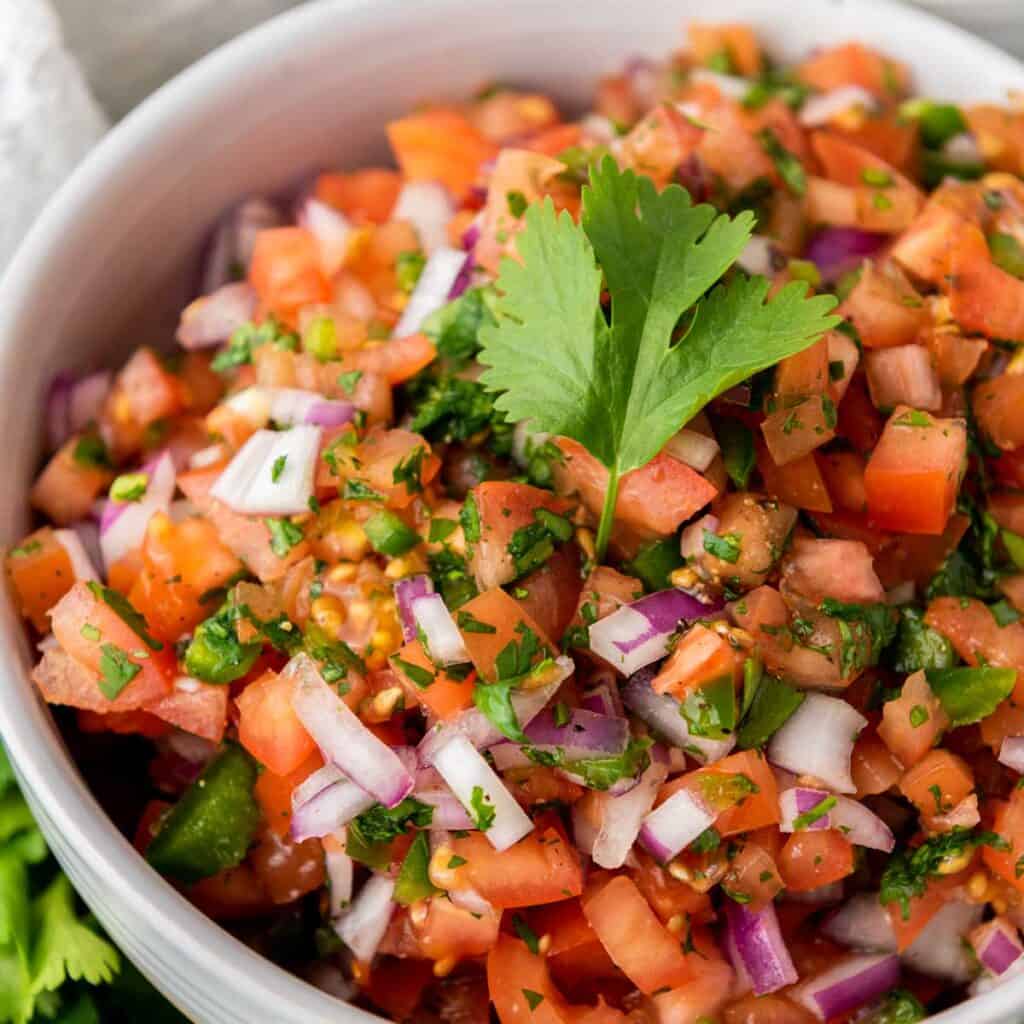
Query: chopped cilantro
{"x": 117, "y": 670}
{"x": 284, "y": 535}
{"x": 480, "y": 809}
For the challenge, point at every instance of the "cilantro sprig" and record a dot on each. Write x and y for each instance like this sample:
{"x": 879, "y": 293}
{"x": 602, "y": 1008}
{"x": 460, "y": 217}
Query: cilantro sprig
{"x": 675, "y": 338}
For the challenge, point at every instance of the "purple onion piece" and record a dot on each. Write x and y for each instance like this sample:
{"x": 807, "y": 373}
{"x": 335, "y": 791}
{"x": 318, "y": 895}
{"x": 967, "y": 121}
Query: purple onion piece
{"x": 585, "y": 734}
{"x": 759, "y": 947}
{"x": 850, "y": 984}
{"x": 836, "y": 250}
{"x": 406, "y": 591}
{"x": 330, "y": 413}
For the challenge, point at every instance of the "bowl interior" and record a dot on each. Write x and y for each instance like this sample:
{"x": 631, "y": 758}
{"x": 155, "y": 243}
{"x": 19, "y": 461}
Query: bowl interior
{"x": 114, "y": 258}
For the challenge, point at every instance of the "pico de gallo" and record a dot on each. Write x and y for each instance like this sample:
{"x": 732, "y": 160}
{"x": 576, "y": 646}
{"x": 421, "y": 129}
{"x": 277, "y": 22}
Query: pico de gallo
{"x": 576, "y": 575}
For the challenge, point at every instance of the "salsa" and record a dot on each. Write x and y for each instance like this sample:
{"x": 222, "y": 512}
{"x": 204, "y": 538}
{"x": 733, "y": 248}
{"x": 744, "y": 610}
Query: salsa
{"x": 576, "y": 575}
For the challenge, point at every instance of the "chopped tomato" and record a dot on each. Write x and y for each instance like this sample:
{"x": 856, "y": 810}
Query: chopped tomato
{"x": 844, "y": 477}
{"x": 285, "y": 271}
{"x": 873, "y": 765}
{"x": 737, "y": 42}
{"x": 396, "y": 465}
{"x": 774, "y": 1009}
{"x": 268, "y": 726}
{"x": 1008, "y": 822}
{"x": 667, "y": 895}
{"x": 973, "y": 630}
{"x": 809, "y": 860}
{"x": 884, "y": 307}
{"x": 503, "y": 509}
{"x": 983, "y": 297}
{"x": 198, "y": 708}
{"x": 854, "y": 64}
{"x": 912, "y": 723}
{"x": 541, "y": 868}
{"x": 274, "y": 792}
{"x": 703, "y": 997}
{"x": 801, "y": 424}
{"x": 510, "y": 624}
{"x": 447, "y": 930}
{"x": 366, "y": 195}
{"x": 396, "y": 361}
{"x": 798, "y": 483}
{"x": 860, "y": 423}
{"x": 997, "y": 404}
{"x": 440, "y": 145}
{"x": 921, "y": 909}
{"x": 814, "y": 569}
{"x": 550, "y": 595}
{"x": 287, "y": 870}
{"x": 914, "y": 474}
{"x": 41, "y": 573}
{"x": 620, "y": 915}
{"x": 936, "y": 784}
{"x": 521, "y": 987}
{"x": 445, "y": 696}
{"x": 700, "y": 656}
{"x": 753, "y": 875}
{"x": 70, "y": 483}
{"x": 903, "y": 375}
{"x": 652, "y": 501}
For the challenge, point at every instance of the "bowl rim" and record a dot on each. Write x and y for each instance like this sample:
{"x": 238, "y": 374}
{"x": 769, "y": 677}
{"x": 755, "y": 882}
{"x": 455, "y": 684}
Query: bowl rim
{"x": 40, "y": 760}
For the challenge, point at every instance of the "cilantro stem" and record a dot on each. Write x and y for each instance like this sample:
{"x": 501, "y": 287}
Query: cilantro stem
{"x": 604, "y": 529}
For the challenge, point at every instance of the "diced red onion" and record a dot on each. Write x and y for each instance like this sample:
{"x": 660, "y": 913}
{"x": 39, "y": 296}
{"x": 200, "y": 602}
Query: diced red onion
{"x": 428, "y": 206}
{"x": 448, "y": 812}
{"x": 292, "y": 406}
{"x": 758, "y": 256}
{"x": 81, "y": 562}
{"x": 340, "y": 876}
{"x": 637, "y": 634}
{"x": 463, "y": 278}
{"x": 850, "y": 984}
{"x": 58, "y": 399}
{"x": 248, "y": 483}
{"x": 325, "y": 802}
{"x": 622, "y": 816}
{"x": 757, "y": 947}
{"x": 675, "y": 824}
{"x": 123, "y": 524}
{"x": 997, "y": 945}
{"x": 477, "y": 728}
{"x": 1011, "y": 753}
{"x": 730, "y": 86}
{"x": 938, "y": 950}
{"x": 406, "y": 591}
{"x": 585, "y": 734}
{"x": 363, "y": 925}
{"x": 508, "y": 755}
{"x": 441, "y": 637}
{"x": 819, "y": 110}
{"x": 602, "y": 700}
{"x": 432, "y": 289}
{"x": 697, "y": 450}
{"x": 834, "y": 251}
{"x": 88, "y": 395}
{"x": 862, "y": 923}
{"x": 662, "y": 713}
{"x": 462, "y": 766}
{"x": 212, "y": 319}
{"x": 232, "y": 243}
{"x": 857, "y": 823}
{"x": 330, "y": 228}
{"x": 343, "y": 738}
{"x": 818, "y": 740}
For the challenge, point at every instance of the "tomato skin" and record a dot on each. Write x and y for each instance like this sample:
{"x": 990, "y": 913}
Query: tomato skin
{"x": 202, "y": 711}
{"x": 394, "y": 361}
{"x": 513, "y": 970}
{"x": 873, "y": 766}
{"x": 984, "y": 298}
{"x": 798, "y": 483}
{"x": 496, "y": 608}
{"x": 853, "y": 64}
{"x": 274, "y": 793}
{"x": 383, "y": 453}
{"x": 552, "y": 592}
{"x": 446, "y": 696}
{"x": 619, "y": 915}
{"x": 1008, "y": 822}
{"x": 268, "y": 726}
{"x": 754, "y": 874}
{"x": 884, "y": 307}
{"x": 795, "y": 430}
{"x": 809, "y": 860}
{"x": 907, "y": 741}
{"x": 701, "y": 656}
{"x": 815, "y": 569}
{"x": 700, "y": 998}
{"x": 541, "y": 868}
{"x": 914, "y": 473}
{"x": 285, "y": 271}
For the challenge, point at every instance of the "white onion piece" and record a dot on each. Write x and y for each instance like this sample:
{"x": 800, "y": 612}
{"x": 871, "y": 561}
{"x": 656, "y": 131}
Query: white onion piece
{"x": 675, "y": 824}
{"x": 857, "y": 823}
{"x": 343, "y": 738}
{"x": 81, "y": 563}
{"x": 123, "y": 525}
{"x": 252, "y": 404}
{"x": 212, "y": 319}
{"x": 428, "y": 207}
{"x": 730, "y": 86}
{"x": 431, "y": 291}
{"x": 477, "y": 728}
{"x": 758, "y": 256}
{"x": 324, "y": 802}
{"x": 819, "y": 110}
{"x": 621, "y": 817}
{"x": 340, "y": 875}
{"x": 862, "y": 923}
{"x": 691, "y": 540}
{"x": 363, "y": 925}
{"x": 468, "y": 775}
{"x": 963, "y": 149}
{"x": 1011, "y": 753}
{"x": 818, "y": 740}
{"x": 247, "y": 484}
{"x": 662, "y": 713}
{"x": 852, "y": 983}
{"x": 330, "y": 228}
{"x": 697, "y": 450}
{"x": 448, "y": 812}
{"x": 938, "y": 950}
{"x": 441, "y": 637}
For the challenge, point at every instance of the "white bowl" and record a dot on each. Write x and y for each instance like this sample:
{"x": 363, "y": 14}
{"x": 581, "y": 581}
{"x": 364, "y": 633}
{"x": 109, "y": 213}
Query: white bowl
{"x": 111, "y": 259}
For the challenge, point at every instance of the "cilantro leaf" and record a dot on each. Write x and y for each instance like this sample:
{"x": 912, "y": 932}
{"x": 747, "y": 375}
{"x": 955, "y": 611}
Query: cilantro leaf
{"x": 413, "y": 882}
{"x": 622, "y": 388}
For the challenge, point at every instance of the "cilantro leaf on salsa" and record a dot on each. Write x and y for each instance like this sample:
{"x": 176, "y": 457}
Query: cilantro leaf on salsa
{"x": 622, "y": 387}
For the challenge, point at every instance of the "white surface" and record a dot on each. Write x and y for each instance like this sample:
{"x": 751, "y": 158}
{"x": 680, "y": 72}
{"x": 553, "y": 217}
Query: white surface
{"x": 115, "y": 251}
{"x": 48, "y": 120}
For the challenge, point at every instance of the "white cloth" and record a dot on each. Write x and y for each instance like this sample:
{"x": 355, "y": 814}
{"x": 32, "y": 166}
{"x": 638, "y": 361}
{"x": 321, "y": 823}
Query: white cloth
{"x": 48, "y": 119}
